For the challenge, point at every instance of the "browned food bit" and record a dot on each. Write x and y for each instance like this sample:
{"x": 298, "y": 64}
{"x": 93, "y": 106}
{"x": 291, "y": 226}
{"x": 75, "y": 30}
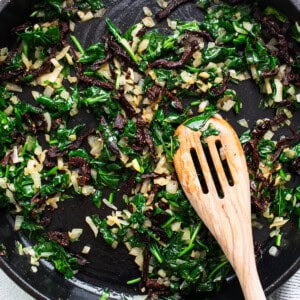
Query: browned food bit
{"x": 260, "y": 203}
{"x": 147, "y": 257}
{"x": 81, "y": 260}
{"x": 268, "y": 74}
{"x": 7, "y": 159}
{"x": 98, "y": 63}
{"x": 189, "y": 50}
{"x": 291, "y": 77}
{"x": 203, "y": 34}
{"x": 118, "y": 51}
{"x": 107, "y": 58}
{"x": 45, "y": 221}
{"x": 257, "y": 134}
{"x": 55, "y": 152}
{"x": 177, "y": 103}
{"x": 64, "y": 29}
{"x": 35, "y": 122}
{"x": 120, "y": 122}
{"x": 38, "y": 203}
{"x": 82, "y": 164}
{"x": 142, "y": 31}
{"x": 219, "y": 91}
{"x": 61, "y": 238}
{"x": 170, "y": 7}
{"x": 155, "y": 93}
{"x": 128, "y": 185}
{"x": 157, "y": 288}
{"x": 274, "y": 28}
{"x": 283, "y": 53}
{"x": 56, "y": 123}
{"x": 96, "y": 82}
{"x": 128, "y": 108}
{"x": 143, "y": 138}
{"x": 284, "y": 143}
{"x": 258, "y": 249}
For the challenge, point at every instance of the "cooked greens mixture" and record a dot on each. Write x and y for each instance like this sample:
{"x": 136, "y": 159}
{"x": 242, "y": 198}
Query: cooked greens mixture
{"x": 137, "y": 87}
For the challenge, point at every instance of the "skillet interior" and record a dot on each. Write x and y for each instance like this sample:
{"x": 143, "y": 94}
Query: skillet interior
{"x": 112, "y": 268}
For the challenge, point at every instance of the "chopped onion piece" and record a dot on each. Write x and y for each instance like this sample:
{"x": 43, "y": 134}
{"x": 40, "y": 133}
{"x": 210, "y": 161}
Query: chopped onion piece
{"x": 18, "y": 222}
{"x": 108, "y": 204}
{"x": 93, "y": 227}
{"x": 243, "y": 123}
{"x": 273, "y": 251}
{"x": 86, "y": 250}
{"x": 75, "y": 234}
{"x": 12, "y": 87}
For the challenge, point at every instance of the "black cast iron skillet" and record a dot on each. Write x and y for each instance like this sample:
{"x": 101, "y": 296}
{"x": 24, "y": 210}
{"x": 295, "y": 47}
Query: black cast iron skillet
{"x": 107, "y": 268}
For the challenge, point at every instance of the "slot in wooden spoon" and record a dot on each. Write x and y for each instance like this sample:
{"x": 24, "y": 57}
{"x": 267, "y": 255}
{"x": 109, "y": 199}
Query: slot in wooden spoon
{"x": 221, "y": 197}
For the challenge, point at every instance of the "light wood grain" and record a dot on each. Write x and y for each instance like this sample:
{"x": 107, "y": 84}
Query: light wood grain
{"x": 227, "y": 218}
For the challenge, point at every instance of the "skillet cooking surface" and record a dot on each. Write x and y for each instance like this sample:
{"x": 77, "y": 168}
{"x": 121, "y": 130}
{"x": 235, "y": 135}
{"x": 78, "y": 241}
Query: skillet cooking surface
{"x": 108, "y": 268}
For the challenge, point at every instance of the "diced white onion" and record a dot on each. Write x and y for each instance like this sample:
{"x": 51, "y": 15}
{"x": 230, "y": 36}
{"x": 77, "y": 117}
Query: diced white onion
{"x": 48, "y": 120}
{"x": 75, "y": 234}
{"x": 176, "y": 226}
{"x": 18, "y": 222}
{"x": 279, "y": 90}
{"x": 108, "y": 204}
{"x": 53, "y": 201}
{"x": 12, "y": 87}
{"x": 243, "y": 123}
{"x": 88, "y": 190}
{"x": 172, "y": 187}
{"x": 143, "y": 45}
{"x": 96, "y": 145}
{"x": 268, "y": 135}
{"x": 273, "y": 251}
{"x": 62, "y": 53}
{"x": 147, "y": 11}
{"x": 86, "y": 250}
{"x": 85, "y": 16}
{"x": 99, "y": 13}
{"x": 26, "y": 61}
{"x": 93, "y": 227}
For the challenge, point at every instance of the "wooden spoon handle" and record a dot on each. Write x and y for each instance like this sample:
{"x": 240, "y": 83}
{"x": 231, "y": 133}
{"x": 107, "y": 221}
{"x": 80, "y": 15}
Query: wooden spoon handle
{"x": 249, "y": 279}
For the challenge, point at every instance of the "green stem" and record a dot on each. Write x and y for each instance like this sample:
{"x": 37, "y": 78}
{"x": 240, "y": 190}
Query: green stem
{"x": 50, "y": 172}
{"x": 122, "y": 41}
{"x": 133, "y": 281}
{"x": 76, "y": 43}
{"x": 155, "y": 251}
{"x": 217, "y": 268}
{"x": 191, "y": 243}
{"x": 278, "y": 240}
{"x": 186, "y": 250}
{"x": 111, "y": 197}
{"x": 170, "y": 221}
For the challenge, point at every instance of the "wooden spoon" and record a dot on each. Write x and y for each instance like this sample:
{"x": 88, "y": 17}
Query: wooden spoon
{"x": 223, "y": 206}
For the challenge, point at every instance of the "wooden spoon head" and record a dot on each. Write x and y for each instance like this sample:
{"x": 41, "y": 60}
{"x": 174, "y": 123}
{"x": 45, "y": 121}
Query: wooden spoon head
{"x": 226, "y": 153}
{"x": 224, "y": 206}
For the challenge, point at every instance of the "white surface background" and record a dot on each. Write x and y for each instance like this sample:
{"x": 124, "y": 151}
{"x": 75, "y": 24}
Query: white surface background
{"x": 11, "y": 291}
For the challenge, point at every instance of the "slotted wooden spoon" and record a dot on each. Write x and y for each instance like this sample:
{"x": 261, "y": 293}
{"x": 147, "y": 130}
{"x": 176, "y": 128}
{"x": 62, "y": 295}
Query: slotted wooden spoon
{"x": 224, "y": 207}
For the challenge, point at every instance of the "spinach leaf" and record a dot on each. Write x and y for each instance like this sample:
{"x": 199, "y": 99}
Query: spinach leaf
{"x": 197, "y": 122}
